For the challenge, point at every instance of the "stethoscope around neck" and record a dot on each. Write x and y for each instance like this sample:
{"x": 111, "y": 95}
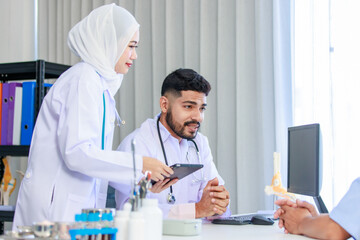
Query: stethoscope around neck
{"x": 171, "y": 198}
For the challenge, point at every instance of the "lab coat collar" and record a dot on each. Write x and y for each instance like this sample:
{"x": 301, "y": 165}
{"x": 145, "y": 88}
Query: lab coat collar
{"x": 107, "y": 91}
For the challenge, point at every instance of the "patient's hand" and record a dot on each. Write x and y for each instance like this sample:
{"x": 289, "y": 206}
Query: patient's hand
{"x": 311, "y": 208}
{"x": 288, "y": 204}
{"x": 281, "y": 203}
{"x": 161, "y": 185}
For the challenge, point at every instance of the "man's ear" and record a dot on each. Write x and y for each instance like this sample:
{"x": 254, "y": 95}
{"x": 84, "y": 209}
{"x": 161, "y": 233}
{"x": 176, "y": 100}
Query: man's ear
{"x": 164, "y": 104}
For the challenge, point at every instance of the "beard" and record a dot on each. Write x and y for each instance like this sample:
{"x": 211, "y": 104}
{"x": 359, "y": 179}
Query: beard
{"x": 179, "y": 129}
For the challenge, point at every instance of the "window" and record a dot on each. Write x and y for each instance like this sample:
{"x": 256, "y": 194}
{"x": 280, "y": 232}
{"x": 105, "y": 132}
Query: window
{"x": 327, "y": 86}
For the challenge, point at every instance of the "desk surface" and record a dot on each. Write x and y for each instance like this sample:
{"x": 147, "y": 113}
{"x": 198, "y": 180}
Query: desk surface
{"x": 216, "y": 231}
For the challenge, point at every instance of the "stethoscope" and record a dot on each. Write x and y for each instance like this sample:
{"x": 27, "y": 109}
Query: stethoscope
{"x": 170, "y": 197}
{"x": 119, "y": 122}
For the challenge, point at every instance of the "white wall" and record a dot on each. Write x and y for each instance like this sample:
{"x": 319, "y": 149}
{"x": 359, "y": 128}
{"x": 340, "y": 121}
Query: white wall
{"x": 17, "y": 28}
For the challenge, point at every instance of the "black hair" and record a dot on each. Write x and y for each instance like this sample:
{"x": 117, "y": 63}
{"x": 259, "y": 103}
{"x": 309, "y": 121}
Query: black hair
{"x": 183, "y": 80}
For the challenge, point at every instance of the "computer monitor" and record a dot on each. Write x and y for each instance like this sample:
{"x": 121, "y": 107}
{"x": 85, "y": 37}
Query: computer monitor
{"x": 305, "y": 162}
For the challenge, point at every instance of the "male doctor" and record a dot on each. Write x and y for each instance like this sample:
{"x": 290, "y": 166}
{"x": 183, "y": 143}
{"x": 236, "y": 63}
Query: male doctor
{"x": 173, "y": 137}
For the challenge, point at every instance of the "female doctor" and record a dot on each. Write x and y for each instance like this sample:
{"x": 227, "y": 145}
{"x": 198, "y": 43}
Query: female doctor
{"x": 70, "y": 160}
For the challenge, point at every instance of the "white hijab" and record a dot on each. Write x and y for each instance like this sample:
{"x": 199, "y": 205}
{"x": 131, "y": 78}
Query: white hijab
{"x": 100, "y": 39}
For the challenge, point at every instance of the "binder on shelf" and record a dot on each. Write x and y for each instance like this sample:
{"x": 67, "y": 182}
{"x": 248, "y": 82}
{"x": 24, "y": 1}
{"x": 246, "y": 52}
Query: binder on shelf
{"x": 17, "y": 114}
{"x": 0, "y": 108}
{"x": 4, "y": 113}
{"x": 28, "y": 111}
{"x": 11, "y": 112}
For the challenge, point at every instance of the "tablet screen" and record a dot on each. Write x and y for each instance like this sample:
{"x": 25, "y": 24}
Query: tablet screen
{"x": 181, "y": 170}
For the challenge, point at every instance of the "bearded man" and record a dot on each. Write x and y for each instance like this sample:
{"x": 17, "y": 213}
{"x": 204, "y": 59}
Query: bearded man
{"x": 173, "y": 137}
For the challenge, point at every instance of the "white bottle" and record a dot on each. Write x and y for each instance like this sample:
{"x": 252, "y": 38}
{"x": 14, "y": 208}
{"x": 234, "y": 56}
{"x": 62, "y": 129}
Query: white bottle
{"x": 153, "y": 219}
{"x": 136, "y": 226}
{"x": 121, "y": 222}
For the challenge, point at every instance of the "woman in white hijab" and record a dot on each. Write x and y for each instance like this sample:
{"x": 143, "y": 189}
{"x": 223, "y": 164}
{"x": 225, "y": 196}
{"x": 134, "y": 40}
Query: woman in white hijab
{"x": 71, "y": 158}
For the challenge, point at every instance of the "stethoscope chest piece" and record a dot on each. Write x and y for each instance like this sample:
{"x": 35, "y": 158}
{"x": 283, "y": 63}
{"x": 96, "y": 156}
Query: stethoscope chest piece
{"x": 171, "y": 198}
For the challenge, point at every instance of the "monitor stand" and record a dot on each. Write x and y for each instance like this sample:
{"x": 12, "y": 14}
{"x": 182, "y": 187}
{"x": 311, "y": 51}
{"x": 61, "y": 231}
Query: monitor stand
{"x": 320, "y": 205}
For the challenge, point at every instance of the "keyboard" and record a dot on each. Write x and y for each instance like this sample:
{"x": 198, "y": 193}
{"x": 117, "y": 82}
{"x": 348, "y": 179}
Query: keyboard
{"x": 256, "y": 219}
{"x": 234, "y": 220}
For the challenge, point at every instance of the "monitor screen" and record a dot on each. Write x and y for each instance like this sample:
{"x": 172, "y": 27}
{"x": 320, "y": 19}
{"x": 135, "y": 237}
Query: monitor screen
{"x": 304, "y": 160}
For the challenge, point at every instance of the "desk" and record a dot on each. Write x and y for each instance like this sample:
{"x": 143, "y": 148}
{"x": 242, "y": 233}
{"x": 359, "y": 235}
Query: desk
{"x": 227, "y": 232}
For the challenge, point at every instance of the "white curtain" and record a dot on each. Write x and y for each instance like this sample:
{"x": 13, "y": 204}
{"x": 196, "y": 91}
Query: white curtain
{"x": 17, "y": 43}
{"x": 345, "y": 75}
{"x": 326, "y": 86}
{"x": 312, "y": 87}
{"x": 242, "y": 47}
{"x": 18, "y": 32}
{"x": 283, "y": 76}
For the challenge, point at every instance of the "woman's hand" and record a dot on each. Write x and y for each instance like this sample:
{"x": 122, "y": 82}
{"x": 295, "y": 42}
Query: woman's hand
{"x": 158, "y": 169}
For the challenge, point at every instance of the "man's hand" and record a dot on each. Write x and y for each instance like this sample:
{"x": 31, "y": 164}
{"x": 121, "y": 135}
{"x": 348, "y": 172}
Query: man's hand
{"x": 311, "y": 208}
{"x": 161, "y": 185}
{"x": 280, "y": 211}
{"x": 293, "y": 217}
{"x": 214, "y": 200}
{"x": 302, "y": 218}
{"x": 157, "y": 168}
{"x": 287, "y": 204}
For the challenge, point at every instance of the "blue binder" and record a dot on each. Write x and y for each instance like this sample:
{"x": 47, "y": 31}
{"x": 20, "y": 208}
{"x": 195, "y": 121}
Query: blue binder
{"x": 28, "y": 111}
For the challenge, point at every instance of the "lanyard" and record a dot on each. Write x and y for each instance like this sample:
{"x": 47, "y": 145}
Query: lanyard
{"x": 119, "y": 122}
{"x": 103, "y": 127}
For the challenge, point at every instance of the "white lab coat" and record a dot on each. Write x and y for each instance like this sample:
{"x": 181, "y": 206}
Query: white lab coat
{"x": 186, "y": 191}
{"x": 67, "y": 169}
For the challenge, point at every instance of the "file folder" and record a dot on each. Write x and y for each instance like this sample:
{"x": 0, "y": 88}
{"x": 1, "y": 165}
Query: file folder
{"x": 11, "y": 112}
{"x": 4, "y": 113}
{"x": 0, "y": 108}
{"x": 28, "y": 112}
{"x": 17, "y": 115}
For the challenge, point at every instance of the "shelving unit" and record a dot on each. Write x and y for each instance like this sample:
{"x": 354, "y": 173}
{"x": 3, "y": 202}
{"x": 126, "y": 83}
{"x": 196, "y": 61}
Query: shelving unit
{"x": 38, "y": 70}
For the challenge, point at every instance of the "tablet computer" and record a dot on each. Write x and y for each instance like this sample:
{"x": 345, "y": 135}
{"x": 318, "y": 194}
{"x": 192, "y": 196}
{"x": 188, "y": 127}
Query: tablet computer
{"x": 181, "y": 170}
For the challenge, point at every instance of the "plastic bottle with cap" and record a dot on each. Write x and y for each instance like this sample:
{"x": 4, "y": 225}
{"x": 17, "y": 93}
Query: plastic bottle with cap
{"x": 153, "y": 218}
{"x": 121, "y": 222}
{"x": 136, "y": 226}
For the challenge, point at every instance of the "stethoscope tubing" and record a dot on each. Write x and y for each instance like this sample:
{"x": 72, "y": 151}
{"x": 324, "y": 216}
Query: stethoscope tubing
{"x": 171, "y": 198}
